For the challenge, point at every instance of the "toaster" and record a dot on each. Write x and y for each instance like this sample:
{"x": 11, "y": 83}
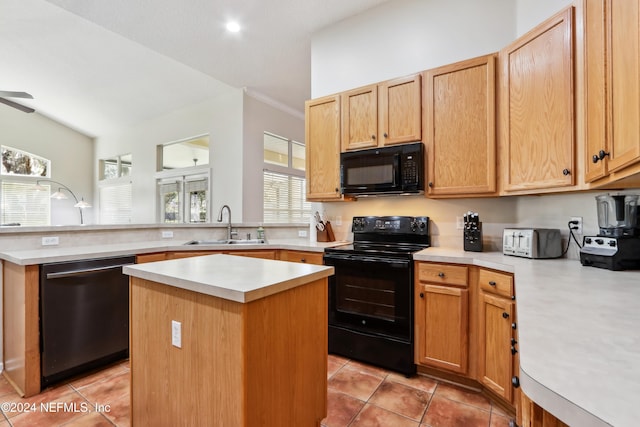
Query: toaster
{"x": 532, "y": 242}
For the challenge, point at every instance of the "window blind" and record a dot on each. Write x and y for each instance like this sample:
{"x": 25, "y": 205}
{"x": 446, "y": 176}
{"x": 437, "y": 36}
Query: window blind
{"x": 115, "y": 204}
{"x": 284, "y": 198}
{"x": 24, "y": 204}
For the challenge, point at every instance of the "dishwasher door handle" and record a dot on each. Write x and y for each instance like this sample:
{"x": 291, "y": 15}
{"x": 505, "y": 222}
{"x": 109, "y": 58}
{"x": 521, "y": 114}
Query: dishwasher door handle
{"x": 72, "y": 273}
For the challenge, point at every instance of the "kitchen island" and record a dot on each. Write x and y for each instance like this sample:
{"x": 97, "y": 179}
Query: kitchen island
{"x": 228, "y": 340}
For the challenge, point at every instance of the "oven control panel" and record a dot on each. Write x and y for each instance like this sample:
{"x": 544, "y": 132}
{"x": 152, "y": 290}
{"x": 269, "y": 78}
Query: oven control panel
{"x": 391, "y": 224}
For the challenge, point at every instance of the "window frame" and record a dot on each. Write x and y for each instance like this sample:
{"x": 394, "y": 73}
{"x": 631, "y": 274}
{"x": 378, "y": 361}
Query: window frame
{"x": 181, "y": 177}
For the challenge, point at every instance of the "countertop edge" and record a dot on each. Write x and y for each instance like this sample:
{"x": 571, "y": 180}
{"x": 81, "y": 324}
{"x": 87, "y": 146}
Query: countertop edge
{"x": 306, "y": 273}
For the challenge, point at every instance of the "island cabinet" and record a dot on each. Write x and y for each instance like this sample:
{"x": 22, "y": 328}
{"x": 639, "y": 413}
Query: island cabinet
{"x": 441, "y": 316}
{"x": 228, "y": 341}
{"x": 322, "y": 145}
{"x": 497, "y": 333}
{"x": 459, "y": 128}
{"x": 612, "y": 90}
{"x": 532, "y": 415}
{"x": 382, "y": 114}
{"x": 537, "y": 120}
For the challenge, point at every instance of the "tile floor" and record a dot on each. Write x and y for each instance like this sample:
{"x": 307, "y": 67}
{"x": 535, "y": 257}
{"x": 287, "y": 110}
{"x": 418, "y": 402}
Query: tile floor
{"x": 358, "y": 395}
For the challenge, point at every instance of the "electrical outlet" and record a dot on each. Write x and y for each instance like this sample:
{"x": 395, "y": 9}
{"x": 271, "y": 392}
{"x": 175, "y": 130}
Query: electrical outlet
{"x": 167, "y": 234}
{"x": 459, "y": 223}
{"x": 578, "y": 229}
{"x": 302, "y": 233}
{"x": 50, "y": 240}
{"x": 176, "y": 334}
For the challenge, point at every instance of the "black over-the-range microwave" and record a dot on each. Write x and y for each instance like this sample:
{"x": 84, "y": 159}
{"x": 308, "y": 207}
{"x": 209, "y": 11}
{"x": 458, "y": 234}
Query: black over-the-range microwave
{"x": 397, "y": 169}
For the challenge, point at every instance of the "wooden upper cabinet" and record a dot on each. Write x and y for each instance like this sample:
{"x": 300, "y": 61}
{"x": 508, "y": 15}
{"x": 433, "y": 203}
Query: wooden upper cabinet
{"x": 400, "y": 112}
{"x": 322, "y": 142}
{"x": 360, "y": 118}
{"x": 537, "y": 108}
{"x": 612, "y": 88}
{"x": 382, "y": 114}
{"x": 459, "y": 128}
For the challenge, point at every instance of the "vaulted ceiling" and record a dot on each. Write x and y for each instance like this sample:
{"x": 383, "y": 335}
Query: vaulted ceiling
{"x": 98, "y": 65}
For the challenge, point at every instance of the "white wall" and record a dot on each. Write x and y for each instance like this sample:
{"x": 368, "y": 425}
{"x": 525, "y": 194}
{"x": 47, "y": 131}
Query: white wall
{"x": 258, "y": 118}
{"x": 70, "y": 152}
{"x": 220, "y": 117}
{"x": 406, "y": 36}
{"x": 530, "y": 13}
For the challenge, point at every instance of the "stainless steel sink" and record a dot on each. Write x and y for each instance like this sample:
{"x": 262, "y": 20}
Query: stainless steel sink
{"x": 228, "y": 242}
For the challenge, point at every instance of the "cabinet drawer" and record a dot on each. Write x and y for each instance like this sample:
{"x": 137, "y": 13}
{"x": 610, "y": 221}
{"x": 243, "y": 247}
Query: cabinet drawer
{"x": 301, "y": 256}
{"x": 497, "y": 283}
{"x": 443, "y": 273}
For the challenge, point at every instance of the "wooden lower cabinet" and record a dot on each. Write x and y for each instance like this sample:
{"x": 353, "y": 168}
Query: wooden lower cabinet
{"x": 465, "y": 328}
{"x": 442, "y": 316}
{"x": 301, "y": 256}
{"x": 264, "y": 254}
{"x": 160, "y": 256}
{"x": 442, "y": 327}
{"x": 495, "y": 358}
{"x": 532, "y": 415}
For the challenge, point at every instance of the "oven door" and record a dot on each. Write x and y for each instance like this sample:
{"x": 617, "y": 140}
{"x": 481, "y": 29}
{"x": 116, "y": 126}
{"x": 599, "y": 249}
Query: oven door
{"x": 371, "y": 294}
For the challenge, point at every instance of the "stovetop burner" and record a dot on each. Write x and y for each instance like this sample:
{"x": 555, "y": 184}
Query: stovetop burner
{"x": 392, "y": 235}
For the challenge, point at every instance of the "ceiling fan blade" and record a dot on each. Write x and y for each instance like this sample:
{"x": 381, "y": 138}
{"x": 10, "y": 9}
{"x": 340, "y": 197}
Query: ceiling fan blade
{"x": 9, "y": 94}
{"x": 16, "y": 105}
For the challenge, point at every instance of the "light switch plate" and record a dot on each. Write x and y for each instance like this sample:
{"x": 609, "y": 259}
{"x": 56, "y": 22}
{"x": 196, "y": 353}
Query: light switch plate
{"x": 176, "y": 334}
{"x": 167, "y": 234}
{"x": 302, "y": 233}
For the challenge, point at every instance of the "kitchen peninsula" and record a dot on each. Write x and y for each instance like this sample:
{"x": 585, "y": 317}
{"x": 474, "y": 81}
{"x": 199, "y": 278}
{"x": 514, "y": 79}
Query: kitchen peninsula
{"x": 228, "y": 340}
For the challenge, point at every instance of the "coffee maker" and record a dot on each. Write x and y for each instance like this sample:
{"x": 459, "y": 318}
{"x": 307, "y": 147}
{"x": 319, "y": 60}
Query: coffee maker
{"x": 617, "y": 245}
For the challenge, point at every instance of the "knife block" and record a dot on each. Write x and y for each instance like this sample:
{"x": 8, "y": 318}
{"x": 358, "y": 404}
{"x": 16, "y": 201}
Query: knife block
{"x": 473, "y": 239}
{"x": 325, "y": 235}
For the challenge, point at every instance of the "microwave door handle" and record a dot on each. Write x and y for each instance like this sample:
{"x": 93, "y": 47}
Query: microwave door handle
{"x": 396, "y": 175}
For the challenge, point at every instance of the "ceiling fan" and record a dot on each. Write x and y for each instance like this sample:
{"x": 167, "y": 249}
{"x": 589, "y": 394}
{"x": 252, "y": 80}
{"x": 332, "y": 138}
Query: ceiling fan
{"x": 8, "y": 94}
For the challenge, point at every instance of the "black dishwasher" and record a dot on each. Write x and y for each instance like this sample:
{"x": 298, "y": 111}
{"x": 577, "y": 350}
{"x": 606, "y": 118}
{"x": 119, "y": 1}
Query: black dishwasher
{"x": 84, "y": 316}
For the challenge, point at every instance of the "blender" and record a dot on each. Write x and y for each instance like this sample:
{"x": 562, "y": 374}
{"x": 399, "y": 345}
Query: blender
{"x": 617, "y": 245}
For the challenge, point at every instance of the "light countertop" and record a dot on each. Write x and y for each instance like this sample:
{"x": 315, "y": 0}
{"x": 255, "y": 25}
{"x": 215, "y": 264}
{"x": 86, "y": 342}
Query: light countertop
{"x": 240, "y": 279}
{"x": 61, "y": 254}
{"x": 579, "y": 335}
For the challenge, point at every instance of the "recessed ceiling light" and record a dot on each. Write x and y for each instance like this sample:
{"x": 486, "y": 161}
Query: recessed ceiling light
{"x": 233, "y": 26}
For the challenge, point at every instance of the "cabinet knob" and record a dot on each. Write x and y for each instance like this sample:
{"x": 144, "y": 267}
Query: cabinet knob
{"x": 515, "y": 381}
{"x": 514, "y": 325}
{"x": 513, "y": 350}
{"x": 303, "y": 260}
{"x": 337, "y": 190}
{"x": 373, "y": 137}
{"x": 492, "y": 283}
{"x": 430, "y": 184}
{"x": 600, "y": 156}
{"x": 441, "y": 274}
{"x": 505, "y": 315}
{"x": 385, "y": 135}
{"x": 421, "y": 294}
{"x": 566, "y": 172}
{"x": 514, "y": 341}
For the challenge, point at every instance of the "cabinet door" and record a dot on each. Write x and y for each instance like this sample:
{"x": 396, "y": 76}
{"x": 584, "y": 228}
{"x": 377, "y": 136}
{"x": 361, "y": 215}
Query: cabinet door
{"x": 459, "y": 112}
{"x": 624, "y": 78}
{"x": 322, "y": 135}
{"x": 399, "y": 111}
{"x": 537, "y": 107}
{"x": 495, "y": 358}
{"x": 360, "y": 118}
{"x": 442, "y": 327}
{"x": 595, "y": 102}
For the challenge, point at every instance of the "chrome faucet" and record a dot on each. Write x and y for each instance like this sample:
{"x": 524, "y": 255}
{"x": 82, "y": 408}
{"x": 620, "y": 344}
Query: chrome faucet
{"x": 229, "y": 232}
